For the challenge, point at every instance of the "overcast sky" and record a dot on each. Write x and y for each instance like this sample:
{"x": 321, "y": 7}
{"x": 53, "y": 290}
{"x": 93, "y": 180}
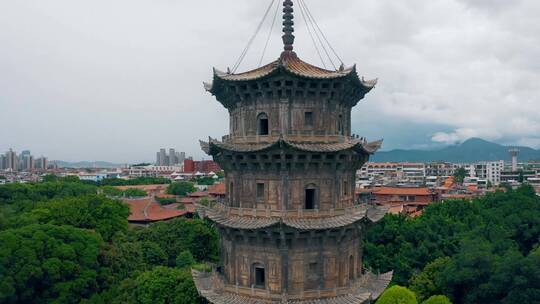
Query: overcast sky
{"x": 116, "y": 80}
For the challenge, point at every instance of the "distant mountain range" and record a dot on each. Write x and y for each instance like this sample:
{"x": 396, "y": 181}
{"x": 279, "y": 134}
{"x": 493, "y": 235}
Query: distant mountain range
{"x": 86, "y": 164}
{"x": 472, "y": 150}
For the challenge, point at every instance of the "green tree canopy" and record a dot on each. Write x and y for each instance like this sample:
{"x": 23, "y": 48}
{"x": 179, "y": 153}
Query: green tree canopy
{"x": 397, "y": 295}
{"x": 165, "y": 285}
{"x": 91, "y": 212}
{"x": 205, "y": 181}
{"x": 459, "y": 175}
{"x": 134, "y": 192}
{"x": 181, "y": 235}
{"x": 45, "y": 263}
{"x": 134, "y": 181}
{"x": 181, "y": 188}
{"x": 185, "y": 259}
{"x": 112, "y": 191}
{"x": 426, "y": 283}
{"x": 476, "y": 251}
{"x": 437, "y": 300}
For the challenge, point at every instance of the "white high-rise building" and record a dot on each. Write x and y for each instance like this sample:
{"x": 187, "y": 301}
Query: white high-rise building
{"x": 12, "y": 161}
{"x": 172, "y": 159}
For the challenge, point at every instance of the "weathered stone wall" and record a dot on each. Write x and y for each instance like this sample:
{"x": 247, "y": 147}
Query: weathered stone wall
{"x": 286, "y": 190}
{"x": 303, "y": 262}
{"x": 288, "y": 117}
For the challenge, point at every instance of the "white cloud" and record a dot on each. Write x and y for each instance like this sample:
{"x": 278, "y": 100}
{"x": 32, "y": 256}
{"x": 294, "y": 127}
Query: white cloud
{"x": 118, "y": 80}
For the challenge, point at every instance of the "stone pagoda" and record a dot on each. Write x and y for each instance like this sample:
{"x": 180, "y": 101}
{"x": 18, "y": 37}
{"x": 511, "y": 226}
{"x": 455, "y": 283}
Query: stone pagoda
{"x": 290, "y": 227}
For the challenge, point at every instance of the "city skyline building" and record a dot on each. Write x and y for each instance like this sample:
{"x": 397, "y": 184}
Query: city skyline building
{"x": 12, "y": 161}
{"x": 173, "y": 158}
{"x": 25, "y": 161}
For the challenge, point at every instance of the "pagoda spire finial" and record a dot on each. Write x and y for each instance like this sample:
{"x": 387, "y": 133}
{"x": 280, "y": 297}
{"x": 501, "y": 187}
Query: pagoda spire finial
{"x": 288, "y": 26}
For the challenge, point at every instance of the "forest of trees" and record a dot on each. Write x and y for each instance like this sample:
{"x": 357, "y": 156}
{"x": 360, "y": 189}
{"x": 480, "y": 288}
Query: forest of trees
{"x": 481, "y": 251}
{"x": 61, "y": 242}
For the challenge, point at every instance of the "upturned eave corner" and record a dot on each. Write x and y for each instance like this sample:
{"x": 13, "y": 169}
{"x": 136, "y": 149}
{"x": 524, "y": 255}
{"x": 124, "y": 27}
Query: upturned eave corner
{"x": 205, "y": 146}
{"x": 373, "y": 146}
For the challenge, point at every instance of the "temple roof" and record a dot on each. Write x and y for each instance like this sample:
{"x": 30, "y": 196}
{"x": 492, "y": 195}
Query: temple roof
{"x": 290, "y": 63}
{"x": 210, "y": 286}
{"x": 223, "y": 217}
{"x": 214, "y": 145}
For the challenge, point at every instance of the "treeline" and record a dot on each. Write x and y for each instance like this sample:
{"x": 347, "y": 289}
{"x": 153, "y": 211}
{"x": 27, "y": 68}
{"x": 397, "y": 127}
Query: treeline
{"x": 60, "y": 242}
{"x": 134, "y": 181}
{"x": 480, "y": 251}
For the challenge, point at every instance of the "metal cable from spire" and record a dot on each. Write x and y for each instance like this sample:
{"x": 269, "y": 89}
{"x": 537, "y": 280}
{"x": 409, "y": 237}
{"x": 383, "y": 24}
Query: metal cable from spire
{"x": 312, "y": 37}
{"x": 244, "y": 52}
{"x": 269, "y": 34}
{"x": 322, "y": 33}
{"x": 302, "y": 3}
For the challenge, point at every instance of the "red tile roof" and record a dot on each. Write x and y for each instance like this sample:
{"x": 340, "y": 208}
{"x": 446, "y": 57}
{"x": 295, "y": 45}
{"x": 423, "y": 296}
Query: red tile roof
{"x": 198, "y": 194}
{"x": 401, "y": 191}
{"x": 148, "y": 210}
{"x": 147, "y": 188}
{"x": 217, "y": 189}
{"x": 187, "y": 200}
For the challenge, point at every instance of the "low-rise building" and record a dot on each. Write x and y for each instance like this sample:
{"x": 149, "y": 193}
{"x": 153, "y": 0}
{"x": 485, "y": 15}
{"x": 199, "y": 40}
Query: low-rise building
{"x": 420, "y": 195}
{"x": 393, "y": 173}
{"x": 93, "y": 177}
{"x": 490, "y": 171}
{"x": 520, "y": 176}
{"x": 152, "y": 171}
{"x": 441, "y": 169}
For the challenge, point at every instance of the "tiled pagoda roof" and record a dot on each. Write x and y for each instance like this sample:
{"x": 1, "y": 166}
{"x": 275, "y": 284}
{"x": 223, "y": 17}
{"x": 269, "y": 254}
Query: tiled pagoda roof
{"x": 290, "y": 63}
{"x": 210, "y": 286}
{"x": 293, "y": 65}
{"x": 370, "y": 148}
{"x": 222, "y": 216}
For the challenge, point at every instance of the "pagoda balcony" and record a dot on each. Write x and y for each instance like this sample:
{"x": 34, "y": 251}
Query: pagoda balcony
{"x": 368, "y": 286}
{"x": 292, "y": 213}
{"x": 296, "y": 136}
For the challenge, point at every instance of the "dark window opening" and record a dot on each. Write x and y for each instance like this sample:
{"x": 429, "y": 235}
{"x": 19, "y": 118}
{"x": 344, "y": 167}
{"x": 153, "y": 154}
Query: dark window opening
{"x": 310, "y": 199}
{"x": 351, "y": 268}
{"x": 259, "y": 277}
{"x": 313, "y": 268}
{"x": 308, "y": 119}
{"x": 340, "y": 125}
{"x": 345, "y": 188}
{"x": 263, "y": 124}
{"x": 260, "y": 191}
{"x": 231, "y": 194}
